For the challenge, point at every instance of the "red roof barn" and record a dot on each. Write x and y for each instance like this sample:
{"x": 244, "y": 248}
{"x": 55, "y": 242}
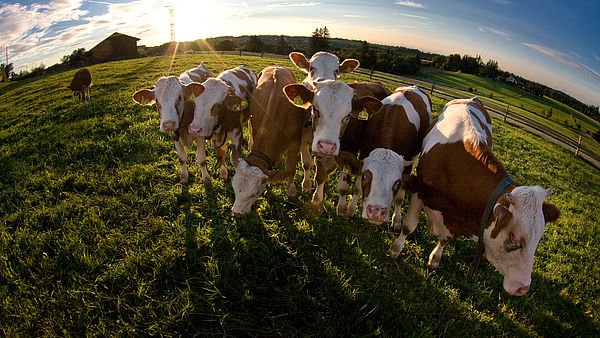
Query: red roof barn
{"x": 115, "y": 47}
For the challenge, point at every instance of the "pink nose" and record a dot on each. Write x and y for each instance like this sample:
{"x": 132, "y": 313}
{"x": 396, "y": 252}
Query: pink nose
{"x": 326, "y": 147}
{"x": 193, "y": 130}
{"x": 522, "y": 290}
{"x": 377, "y": 213}
{"x": 169, "y": 125}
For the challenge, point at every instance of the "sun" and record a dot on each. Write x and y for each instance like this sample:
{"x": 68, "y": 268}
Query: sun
{"x": 198, "y": 19}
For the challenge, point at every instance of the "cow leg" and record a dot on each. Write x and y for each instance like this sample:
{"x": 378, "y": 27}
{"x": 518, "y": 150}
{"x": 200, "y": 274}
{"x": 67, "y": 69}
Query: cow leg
{"x": 201, "y": 158}
{"x": 87, "y": 92}
{"x": 397, "y": 216}
{"x": 236, "y": 146}
{"x": 320, "y": 179}
{"x": 343, "y": 186}
{"x": 353, "y": 205}
{"x": 182, "y": 155}
{"x": 410, "y": 224}
{"x": 306, "y": 164}
{"x": 250, "y": 137}
{"x": 290, "y": 167}
{"x": 436, "y": 255}
{"x": 221, "y": 155}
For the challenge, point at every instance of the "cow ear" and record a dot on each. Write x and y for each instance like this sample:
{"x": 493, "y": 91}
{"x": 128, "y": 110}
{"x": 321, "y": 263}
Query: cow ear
{"x": 144, "y": 97}
{"x": 407, "y": 163}
{"x": 300, "y": 61}
{"x": 299, "y": 95}
{"x": 550, "y": 211}
{"x": 365, "y": 107}
{"x": 235, "y": 103}
{"x": 349, "y": 65}
{"x": 192, "y": 90}
{"x": 503, "y": 217}
{"x": 346, "y": 159}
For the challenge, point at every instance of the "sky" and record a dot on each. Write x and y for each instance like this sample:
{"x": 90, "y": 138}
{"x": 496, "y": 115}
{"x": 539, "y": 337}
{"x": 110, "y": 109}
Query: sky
{"x": 556, "y": 43}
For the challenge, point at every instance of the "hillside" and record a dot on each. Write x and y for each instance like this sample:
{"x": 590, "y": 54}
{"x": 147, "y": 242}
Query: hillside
{"x": 98, "y": 238}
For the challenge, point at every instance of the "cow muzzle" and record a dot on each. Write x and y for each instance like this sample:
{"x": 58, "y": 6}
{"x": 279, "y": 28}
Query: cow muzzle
{"x": 325, "y": 147}
{"x": 168, "y": 126}
{"x": 377, "y": 214}
{"x": 195, "y": 131}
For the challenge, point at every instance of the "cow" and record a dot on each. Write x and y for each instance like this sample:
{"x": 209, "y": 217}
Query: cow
{"x": 174, "y": 98}
{"x": 278, "y": 127}
{"x": 466, "y": 191}
{"x": 220, "y": 111}
{"x": 387, "y": 143}
{"x": 322, "y": 66}
{"x": 80, "y": 85}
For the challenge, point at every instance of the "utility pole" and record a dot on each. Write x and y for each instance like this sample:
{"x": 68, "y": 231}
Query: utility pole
{"x": 6, "y": 54}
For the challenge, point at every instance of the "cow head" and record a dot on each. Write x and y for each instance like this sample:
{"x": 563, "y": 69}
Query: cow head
{"x": 510, "y": 243}
{"x": 169, "y": 95}
{"x": 333, "y": 104}
{"x": 381, "y": 179}
{"x": 248, "y": 183}
{"x": 322, "y": 66}
{"x": 217, "y": 98}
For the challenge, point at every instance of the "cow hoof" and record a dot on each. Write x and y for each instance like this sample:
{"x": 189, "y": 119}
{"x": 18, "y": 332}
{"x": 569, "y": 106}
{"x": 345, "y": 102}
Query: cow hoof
{"x": 182, "y": 181}
{"x": 206, "y": 179}
{"x": 393, "y": 254}
{"x": 291, "y": 191}
{"x": 341, "y": 211}
{"x": 350, "y": 210}
{"x": 223, "y": 175}
{"x": 306, "y": 185}
{"x": 432, "y": 266}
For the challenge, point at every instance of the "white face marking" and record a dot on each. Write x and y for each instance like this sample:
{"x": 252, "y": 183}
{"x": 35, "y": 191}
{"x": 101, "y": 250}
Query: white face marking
{"x": 528, "y": 224}
{"x": 248, "y": 183}
{"x": 214, "y": 93}
{"x": 457, "y": 124}
{"x": 323, "y": 66}
{"x": 386, "y": 168}
{"x": 168, "y": 93}
{"x": 333, "y": 101}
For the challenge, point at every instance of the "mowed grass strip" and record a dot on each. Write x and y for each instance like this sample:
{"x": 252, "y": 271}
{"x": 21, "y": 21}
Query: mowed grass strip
{"x": 97, "y": 237}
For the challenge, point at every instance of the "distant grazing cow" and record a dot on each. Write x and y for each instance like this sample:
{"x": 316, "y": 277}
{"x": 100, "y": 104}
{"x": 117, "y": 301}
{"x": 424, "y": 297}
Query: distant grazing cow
{"x": 174, "y": 99}
{"x": 81, "y": 83}
{"x": 457, "y": 177}
{"x": 220, "y": 111}
{"x": 388, "y": 142}
{"x": 322, "y": 66}
{"x": 278, "y": 127}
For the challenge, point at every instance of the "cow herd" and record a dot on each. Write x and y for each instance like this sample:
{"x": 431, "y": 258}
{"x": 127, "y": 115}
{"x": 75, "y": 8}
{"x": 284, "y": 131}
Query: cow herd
{"x": 369, "y": 132}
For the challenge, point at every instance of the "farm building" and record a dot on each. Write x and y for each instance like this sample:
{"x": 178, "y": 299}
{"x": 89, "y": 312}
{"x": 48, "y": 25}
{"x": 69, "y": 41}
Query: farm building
{"x": 115, "y": 47}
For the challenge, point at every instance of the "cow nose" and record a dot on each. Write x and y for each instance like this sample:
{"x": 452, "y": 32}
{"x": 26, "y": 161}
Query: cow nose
{"x": 169, "y": 125}
{"x": 236, "y": 214}
{"x": 522, "y": 290}
{"x": 376, "y": 212}
{"x": 326, "y": 147}
{"x": 193, "y": 130}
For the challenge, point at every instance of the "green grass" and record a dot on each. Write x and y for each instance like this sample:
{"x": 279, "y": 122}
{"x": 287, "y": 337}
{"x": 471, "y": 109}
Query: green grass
{"x": 521, "y": 102}
{"x": 97, "y": 237}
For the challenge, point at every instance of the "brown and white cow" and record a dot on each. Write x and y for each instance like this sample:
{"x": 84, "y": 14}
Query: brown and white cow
{"x": 220, "y": 111}
{"x": 322, "y": 66}
{"x": 279, "y": 128}
{"x": 388, "y": 142}
{"x": 81, "y": 83}
{"x": 456, "y": 176}
{"x": 174, "y": 98}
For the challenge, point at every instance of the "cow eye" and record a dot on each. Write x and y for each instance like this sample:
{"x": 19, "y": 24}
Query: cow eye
{"x": 396, "y": 187}
{"x": 315, "y": 112}
{"x": 312, "y": 69}
{"x": 346, "y": 119}
{"x": 178, "y": 101}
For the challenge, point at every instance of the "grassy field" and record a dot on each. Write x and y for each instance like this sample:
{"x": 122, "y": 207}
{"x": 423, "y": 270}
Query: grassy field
{"x": 97, "y": 237}
{"x": 521, "y": 102}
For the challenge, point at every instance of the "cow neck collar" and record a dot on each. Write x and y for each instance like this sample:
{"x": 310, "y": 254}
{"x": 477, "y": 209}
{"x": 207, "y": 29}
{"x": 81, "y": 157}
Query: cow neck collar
{"x": 264, "y": 157}
{"x": 484, "y": 220}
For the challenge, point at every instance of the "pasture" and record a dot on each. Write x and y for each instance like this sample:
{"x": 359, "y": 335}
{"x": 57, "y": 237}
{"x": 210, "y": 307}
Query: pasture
{"x": 97, "y": 237}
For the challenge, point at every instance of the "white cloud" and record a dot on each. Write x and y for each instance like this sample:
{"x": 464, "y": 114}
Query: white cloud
{"x": 562, "y": 58}
{"x": 503, "y": 34}
{"x": 596, "y": 56}
{"x": 355, "y": 16}
{"x": 412, "y": 16}
{"x": 295, "y": 4}
{"x": 502, "y": 2}
{"x": 410, "y": 4}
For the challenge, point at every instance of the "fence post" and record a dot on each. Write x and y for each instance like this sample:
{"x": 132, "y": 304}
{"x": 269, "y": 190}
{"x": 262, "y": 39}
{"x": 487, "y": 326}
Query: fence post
{"x": 371, "y": 75}
{"x": 507, "y": 108}
{"x": 578, "y": 145}
{"x": 432, "y": 86}
{"x": 240, "y": 53}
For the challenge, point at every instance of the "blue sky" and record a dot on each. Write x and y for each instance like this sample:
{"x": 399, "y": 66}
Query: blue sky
{"x": 553, "y": 42}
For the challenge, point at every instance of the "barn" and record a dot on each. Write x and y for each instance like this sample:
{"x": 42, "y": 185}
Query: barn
{"x": 117, "y": 46}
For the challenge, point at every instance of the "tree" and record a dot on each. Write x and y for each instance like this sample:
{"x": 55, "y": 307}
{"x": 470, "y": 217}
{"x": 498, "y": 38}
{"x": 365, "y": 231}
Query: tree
{"x": 5, "y": 71}
{"x": 225, "y": 45}
{"x": 282, "y": 47}
{"x": 77, "y": 58}
{"x": 319, "y": 40}
{"x": 255, "y": 44}
{"x": 490, "y": 69}
{"x": 453, "y": 62}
